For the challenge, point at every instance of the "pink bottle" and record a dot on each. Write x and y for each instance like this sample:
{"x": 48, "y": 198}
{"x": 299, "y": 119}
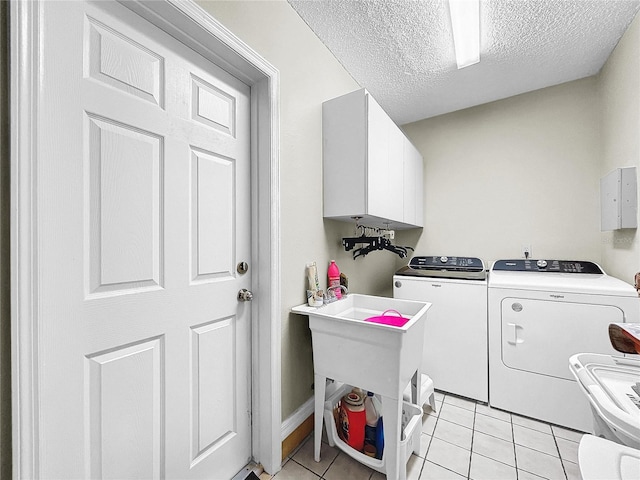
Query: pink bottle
{"x": 333, "y": 274}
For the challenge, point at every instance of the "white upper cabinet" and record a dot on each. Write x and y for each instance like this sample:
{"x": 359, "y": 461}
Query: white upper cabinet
{"x": 370, "y": 169}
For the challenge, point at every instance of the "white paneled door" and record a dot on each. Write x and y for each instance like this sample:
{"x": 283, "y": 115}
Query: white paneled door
{"x": 144, "y": 212}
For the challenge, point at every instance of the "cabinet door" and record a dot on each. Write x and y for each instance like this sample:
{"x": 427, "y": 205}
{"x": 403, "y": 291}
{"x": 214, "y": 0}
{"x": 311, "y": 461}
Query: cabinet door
{"x": 413, "y": 185}
{"x": 344, "y": 156}
{"x": 385, "y": 165}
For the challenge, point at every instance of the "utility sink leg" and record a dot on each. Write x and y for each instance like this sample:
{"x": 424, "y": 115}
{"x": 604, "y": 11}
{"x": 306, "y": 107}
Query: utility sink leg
{"x": 417, "y": 399}
{"x": 320, "y": 383}
{"x": 396, "y": 468}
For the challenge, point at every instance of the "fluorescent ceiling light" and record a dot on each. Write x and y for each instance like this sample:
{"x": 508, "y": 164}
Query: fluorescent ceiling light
{"x": 465, "y": 21}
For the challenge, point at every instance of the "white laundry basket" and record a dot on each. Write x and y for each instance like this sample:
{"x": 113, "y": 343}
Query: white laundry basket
{"x": 602, "y": 459}
{"x": 411, "y": 419}
{"x": 607, "y": 380}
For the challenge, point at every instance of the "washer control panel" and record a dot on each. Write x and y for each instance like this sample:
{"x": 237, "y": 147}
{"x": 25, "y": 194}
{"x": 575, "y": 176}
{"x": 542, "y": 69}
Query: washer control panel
{"x": 466, "y": 268}
{"x": 557, "y": 266}
{"x": 468, "y": 264}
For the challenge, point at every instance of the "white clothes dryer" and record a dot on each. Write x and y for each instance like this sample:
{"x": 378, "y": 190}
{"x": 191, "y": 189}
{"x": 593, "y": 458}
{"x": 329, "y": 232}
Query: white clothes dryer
{"x": 540, "y": 314}
{"x": 455, "y": 348}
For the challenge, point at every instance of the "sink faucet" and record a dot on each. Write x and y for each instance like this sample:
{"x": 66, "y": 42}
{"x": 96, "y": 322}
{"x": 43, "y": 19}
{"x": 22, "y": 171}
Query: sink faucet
{"x": 331, "y": 294}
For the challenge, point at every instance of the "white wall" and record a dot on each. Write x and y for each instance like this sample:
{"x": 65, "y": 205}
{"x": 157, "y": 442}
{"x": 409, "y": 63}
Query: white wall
{"x": 309, "y": 75}
{"x": 524, "y": 170}
{"x": 620, "y": 127}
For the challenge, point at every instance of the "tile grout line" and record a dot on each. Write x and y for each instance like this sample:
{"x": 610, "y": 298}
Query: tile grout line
{"x": 513, "y": 441}
{"x": 555, "y": 440}
{"x": 473, "y": 434}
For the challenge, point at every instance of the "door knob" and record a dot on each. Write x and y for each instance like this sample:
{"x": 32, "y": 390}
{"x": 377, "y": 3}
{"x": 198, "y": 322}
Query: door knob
{"x": 245, "y": 295}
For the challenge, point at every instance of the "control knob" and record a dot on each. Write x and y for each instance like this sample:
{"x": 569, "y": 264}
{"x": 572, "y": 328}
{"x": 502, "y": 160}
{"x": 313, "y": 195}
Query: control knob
{"x": 444, "y": 259}
{"x": 541, "y": 264}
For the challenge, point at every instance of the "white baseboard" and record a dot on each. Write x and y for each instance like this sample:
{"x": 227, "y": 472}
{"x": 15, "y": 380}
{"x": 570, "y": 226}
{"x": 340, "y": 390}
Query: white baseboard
{"x": 290, "y": 424}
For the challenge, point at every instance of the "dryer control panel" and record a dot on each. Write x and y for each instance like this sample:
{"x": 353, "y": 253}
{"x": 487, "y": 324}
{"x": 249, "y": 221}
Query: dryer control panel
{"x": 558, "y": 266}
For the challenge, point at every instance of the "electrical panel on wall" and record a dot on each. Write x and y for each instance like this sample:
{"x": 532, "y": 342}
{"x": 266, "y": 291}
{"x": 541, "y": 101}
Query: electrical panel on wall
{"x": 619, "y": 199}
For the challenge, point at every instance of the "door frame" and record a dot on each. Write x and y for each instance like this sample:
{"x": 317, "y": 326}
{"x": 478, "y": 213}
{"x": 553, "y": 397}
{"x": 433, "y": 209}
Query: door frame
{"x": 193, "y": 26}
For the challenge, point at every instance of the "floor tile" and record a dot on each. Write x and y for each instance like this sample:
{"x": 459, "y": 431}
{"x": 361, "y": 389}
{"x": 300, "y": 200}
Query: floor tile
{"x": 294, "y": 471}
{"x": 414, "y": 467}
{"x": 346, "y": 467}
{"x": 572, "y": 470}
{"x": 453, "y": 433}
{"x": 425, "y": 440}
{"x": 530, "y": 423}
{"x": 568, "y": 450}
{"x": 493, "y": 426}
{"x": 483, "y": 468}
{"x": 431, "y": 471}
{"x": 522, "y": 475}
{"x": 458, "y": 415}
{"x": 304, "y": 456}
{"x": 449, "y": 456}
{"x": 265, "y": 476}
{"x": 495, "y": 448}
{"x": 539, "y": 463}
{"x": 535, "y": 439}
{"x": 493, "y": 412}
{"x": 567, "y": 434}
{"x": 460, "y": 402}
{"x": 429, "y": 424}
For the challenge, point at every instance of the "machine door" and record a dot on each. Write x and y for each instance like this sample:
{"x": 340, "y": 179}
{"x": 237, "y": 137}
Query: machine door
{"x": 539, "y": 336}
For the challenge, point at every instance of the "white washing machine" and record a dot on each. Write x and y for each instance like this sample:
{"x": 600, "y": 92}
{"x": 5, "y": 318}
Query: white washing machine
{"x": 540, "y": 314}
{"x": 455, "y": 349}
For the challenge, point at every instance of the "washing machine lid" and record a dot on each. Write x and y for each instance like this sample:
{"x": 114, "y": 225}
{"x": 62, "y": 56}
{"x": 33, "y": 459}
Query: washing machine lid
{"x": 610, "y": 384}
{"x": 559, "y": 276}
{"x": 600, "y": 458}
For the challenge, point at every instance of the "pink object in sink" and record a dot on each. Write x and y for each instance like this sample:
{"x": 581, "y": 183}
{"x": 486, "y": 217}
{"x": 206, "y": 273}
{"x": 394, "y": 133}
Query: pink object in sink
{"x": 385, "y": 319}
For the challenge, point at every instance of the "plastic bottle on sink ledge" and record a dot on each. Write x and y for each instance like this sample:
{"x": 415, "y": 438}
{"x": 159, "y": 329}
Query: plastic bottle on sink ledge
{"x": 333, "y": 275}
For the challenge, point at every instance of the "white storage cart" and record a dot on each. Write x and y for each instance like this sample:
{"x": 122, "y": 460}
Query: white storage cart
{"x": 375, "y": 357}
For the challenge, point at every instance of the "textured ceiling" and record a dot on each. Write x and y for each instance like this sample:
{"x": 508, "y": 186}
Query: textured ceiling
{"x": 402, "y": 50}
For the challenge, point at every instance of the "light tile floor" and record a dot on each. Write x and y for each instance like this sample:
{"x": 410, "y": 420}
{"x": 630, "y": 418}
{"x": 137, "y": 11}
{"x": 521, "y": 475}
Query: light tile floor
{"x": 461, "y": 440}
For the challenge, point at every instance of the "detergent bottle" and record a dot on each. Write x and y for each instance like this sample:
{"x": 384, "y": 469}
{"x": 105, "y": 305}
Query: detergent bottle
{"x": 372, "y": 410}
{"x": 333, "y": 275}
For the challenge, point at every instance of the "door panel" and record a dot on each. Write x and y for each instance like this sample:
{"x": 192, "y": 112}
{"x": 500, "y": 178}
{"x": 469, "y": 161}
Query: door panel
{"x": 143, "y": 212}
{"x": 214, "y": 409}
{"x": 539, "y": 336}
{"x": 213, "y": 207}
{"x": 124, "y": 390}
{"x": 125, "y": 206}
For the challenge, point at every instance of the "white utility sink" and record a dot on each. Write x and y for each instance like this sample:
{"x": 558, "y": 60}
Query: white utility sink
{"x": 376, "y": 357}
